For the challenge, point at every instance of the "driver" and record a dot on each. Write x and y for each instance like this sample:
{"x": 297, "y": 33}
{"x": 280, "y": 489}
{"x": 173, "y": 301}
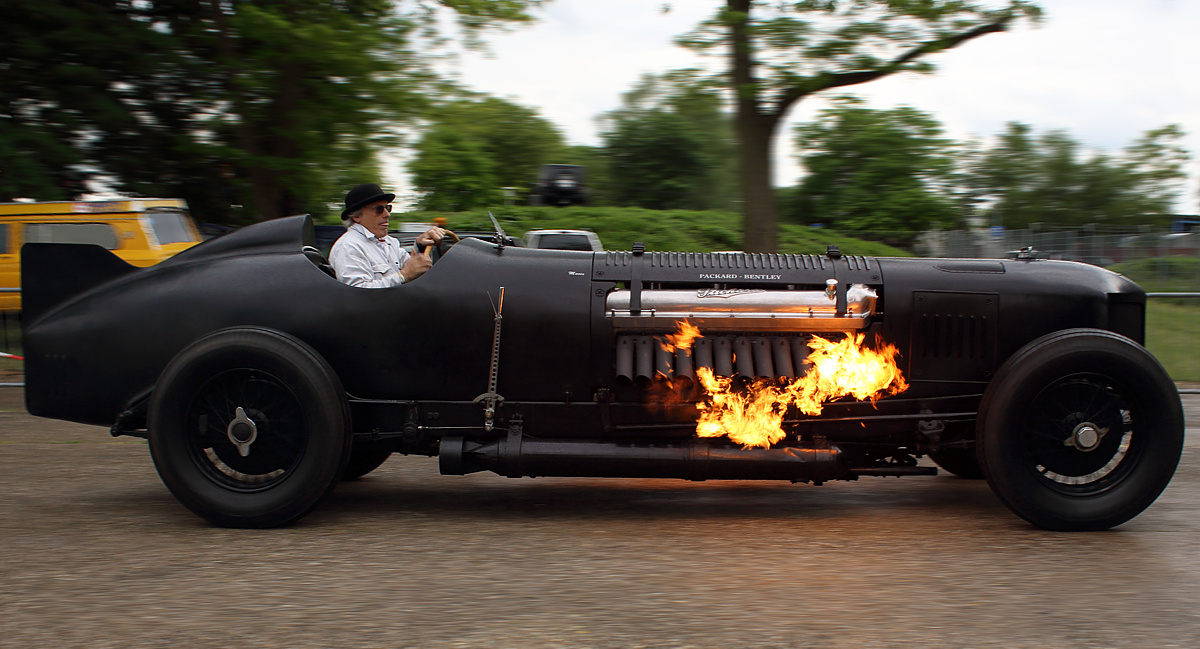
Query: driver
{"x": 365, "y": 255}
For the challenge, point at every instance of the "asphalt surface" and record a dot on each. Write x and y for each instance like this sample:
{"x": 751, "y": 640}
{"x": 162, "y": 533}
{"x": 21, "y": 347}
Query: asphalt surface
{"x": 94, "y": 552}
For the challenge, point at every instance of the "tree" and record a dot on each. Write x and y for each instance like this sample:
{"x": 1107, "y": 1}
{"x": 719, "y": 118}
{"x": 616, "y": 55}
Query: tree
{"x": 875, "y": 170}
{"x": 65, "y": 70}
{"x": 276, "y": 105}
{"x": 670, "y": 146}
{"x": 780, "y": 53}
{"x": 475, "y": 148}
{"x": 1024, "y": 179}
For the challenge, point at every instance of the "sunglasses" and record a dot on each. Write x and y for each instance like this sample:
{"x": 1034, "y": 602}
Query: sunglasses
{"x": 380, "y": 208}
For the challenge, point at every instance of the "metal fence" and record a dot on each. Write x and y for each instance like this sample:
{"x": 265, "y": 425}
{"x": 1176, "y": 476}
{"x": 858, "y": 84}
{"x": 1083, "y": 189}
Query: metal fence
{"x": 1175, "y": 255}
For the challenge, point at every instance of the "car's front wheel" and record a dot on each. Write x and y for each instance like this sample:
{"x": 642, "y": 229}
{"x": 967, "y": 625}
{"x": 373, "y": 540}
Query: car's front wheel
{"x": 249, "y": 428}
{"x": 1080, "y": 430}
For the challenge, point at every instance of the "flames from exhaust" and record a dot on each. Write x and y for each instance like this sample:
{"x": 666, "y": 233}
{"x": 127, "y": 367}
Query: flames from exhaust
{"x": 682, "y": 338}
{"x": 753, "y": 416}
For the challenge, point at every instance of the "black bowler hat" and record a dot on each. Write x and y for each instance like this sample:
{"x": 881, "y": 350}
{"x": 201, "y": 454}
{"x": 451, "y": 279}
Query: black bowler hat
{"x": 364, "y": 195}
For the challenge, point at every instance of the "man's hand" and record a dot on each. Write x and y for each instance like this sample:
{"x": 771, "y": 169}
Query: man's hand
{"x": 419, "y": 262}
{"x": 416, "y": 266}
{"x": 430, "y": 237}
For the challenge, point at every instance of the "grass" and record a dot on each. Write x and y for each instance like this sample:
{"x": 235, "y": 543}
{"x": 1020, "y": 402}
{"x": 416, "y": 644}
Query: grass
{"x": 1163, "y": 274}
{"x": 1172, "y": 325}
{"x": 1171, "y": 335}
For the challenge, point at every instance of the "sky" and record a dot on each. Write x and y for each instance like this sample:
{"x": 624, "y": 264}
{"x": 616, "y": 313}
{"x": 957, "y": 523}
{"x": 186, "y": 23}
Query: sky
{"x": 1105, "y": 71}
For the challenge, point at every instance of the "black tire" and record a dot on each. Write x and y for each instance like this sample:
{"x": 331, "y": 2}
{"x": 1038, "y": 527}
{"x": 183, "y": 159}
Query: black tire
{"x": 294, "y": 420}
{"x": 363, "y": 461}
{"x": 1080, "y": 430}
{"x": 962, "y": 462}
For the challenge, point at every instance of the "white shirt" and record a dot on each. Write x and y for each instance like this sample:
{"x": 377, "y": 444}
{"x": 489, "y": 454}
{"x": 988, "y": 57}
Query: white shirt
{"x": 361, "y": 259}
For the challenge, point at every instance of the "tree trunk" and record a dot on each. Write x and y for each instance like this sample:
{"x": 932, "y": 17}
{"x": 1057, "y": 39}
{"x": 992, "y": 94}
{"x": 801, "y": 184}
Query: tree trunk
{"x": 759, "y": 211}
{"x": 755, "y": 131}
{"x": 276, "y": 140}
{"x": 267, "y": 141}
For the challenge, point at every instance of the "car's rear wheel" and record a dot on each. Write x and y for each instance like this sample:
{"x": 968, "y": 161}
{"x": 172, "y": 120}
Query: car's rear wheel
{"x": 1080, "y": 430}
{"x": 249, "y": 428}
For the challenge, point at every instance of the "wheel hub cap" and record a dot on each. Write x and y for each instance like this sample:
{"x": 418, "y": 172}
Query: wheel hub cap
{"x": 242, "y": 431}
{"x": 1086, "y": 436}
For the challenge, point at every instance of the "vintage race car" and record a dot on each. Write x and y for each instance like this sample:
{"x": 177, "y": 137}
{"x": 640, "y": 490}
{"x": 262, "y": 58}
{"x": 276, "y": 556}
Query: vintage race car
{"x": 261, "y": 381}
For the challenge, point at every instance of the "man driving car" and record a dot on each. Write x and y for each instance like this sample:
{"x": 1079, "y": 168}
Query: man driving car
{"x": 365, "y": 255}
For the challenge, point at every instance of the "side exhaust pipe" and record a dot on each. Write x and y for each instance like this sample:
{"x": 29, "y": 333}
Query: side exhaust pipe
{"x": 642, "y": 360}
{"x": 518, "y": 456}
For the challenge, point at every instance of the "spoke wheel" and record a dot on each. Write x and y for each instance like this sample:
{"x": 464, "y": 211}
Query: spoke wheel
{"x": 249, "y": 428}
{"x": 1080, "y": 430}
{"x": 266, "y": 430}
{"x": 1079, "y": 434}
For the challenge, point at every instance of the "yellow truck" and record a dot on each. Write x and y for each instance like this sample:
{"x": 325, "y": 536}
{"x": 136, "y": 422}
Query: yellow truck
{"x": 142, "y": 231}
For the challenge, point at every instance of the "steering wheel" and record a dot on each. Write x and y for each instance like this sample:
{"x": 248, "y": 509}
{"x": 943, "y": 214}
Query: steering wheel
{"x": 436, "y": 252}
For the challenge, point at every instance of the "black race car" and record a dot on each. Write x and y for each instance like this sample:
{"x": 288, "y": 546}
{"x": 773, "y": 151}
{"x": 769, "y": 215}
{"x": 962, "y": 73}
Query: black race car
{"x": 261, "y": 381}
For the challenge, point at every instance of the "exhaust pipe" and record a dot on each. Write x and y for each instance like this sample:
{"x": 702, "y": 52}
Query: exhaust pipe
{"x": 625, "y": 345}
{"x": 663, "y": 361}
{"x": 683, "y": 366}
{"x": 518, "y": 456}
{"x": 703, "y": 350}
{"x": 764, "y": 368}
{"x": 645, "y": 361}
{"x": 743, "y": 358}
{"x": 782, "y": 356}
{"x": 723, "y": 356}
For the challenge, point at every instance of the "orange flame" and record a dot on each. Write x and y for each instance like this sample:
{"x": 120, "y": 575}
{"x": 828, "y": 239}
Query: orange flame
{"x": 754, "y": 417}
{"x": 682, "y": 338}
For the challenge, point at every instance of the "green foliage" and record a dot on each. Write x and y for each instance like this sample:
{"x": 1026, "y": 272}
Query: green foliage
{"x": 666, "y": 230}
{"x": 67, "y": 70}
{"x": 881, "y": 170}
{"x": 892, "y": 171}
{"x": 1171, "y": 273}
{"x": 1171, "y": 336}
{"x": 670, "y": 146}
{"x": 1024, "y": 179}
{"x": 453, "y": 171}
{"x": 475, "y": 147}
{"x": 781, "y": 52}
{"x": 275, "y": 106}
{"x": 808, "y": 40}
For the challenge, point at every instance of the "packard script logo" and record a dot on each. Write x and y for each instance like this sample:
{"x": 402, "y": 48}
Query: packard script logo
{"x": 728, "y": 292}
